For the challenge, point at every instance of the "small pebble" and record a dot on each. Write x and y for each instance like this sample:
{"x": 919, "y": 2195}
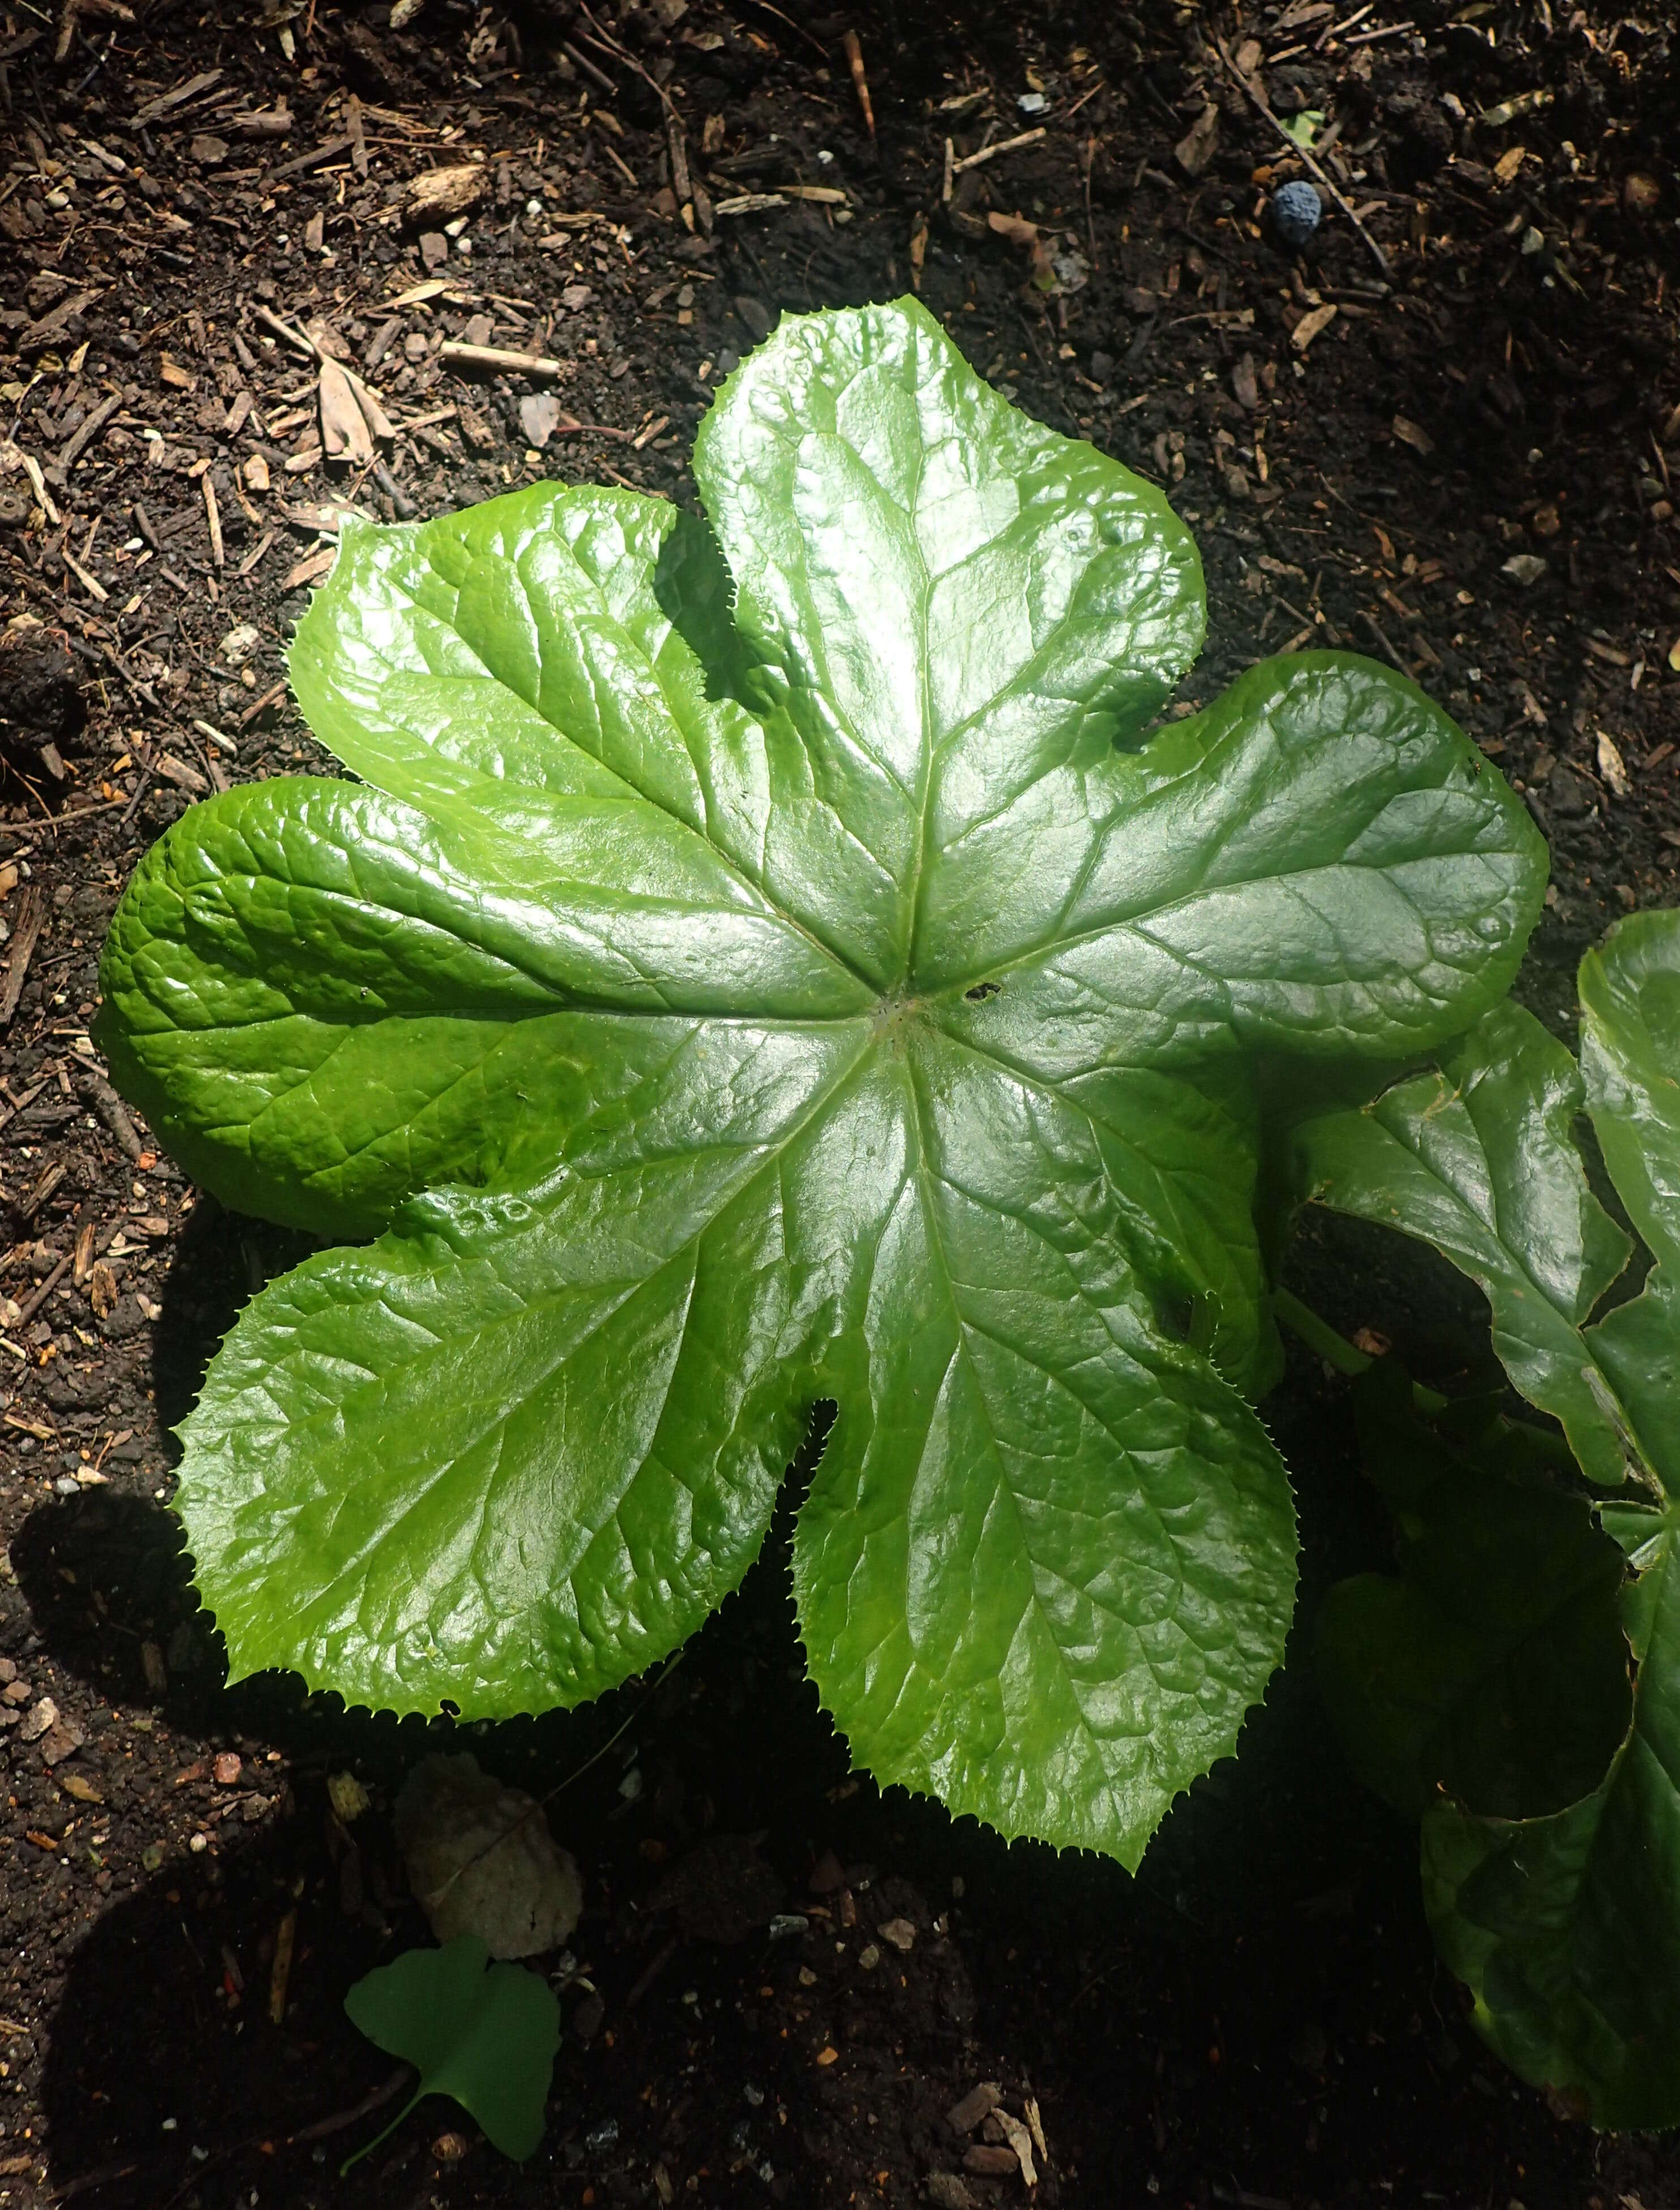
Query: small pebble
{"x": 786, "y": 1924}
{"x": 869, "y": 1958}
{"x": 1295, "y": 209}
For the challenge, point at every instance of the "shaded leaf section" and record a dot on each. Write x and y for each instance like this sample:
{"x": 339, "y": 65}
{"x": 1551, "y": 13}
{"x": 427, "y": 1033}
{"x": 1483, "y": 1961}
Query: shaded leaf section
{"x": 1493, "y": 1666}
{"x": 1564, "y": 1921}
{"x": 1480, "y": 1159}
{"x": 1567, "y": 1929}
{"x": 487, "y": 2038}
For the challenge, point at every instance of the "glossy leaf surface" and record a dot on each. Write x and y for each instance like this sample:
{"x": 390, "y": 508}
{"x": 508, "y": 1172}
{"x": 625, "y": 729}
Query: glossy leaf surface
{"x": 738, "y": 986}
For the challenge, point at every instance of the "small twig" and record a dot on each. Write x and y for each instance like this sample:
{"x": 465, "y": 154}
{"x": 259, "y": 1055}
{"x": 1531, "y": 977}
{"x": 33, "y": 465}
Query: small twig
{"x": 1002, "y": 146}
{"x": 852, "y": 47}
{"x": 212, "y": 517}
{"x": 27, "y": 1312}
{"x": 1265, "y": 107}
{"x": 645, "y": 1978}
{"x": 112, "y": 1111}
{"x": 598, "y": 77}
{"x": 1381, "y": 637}
{"x": 495, "y": 357}
{"x": 292, "y": 337}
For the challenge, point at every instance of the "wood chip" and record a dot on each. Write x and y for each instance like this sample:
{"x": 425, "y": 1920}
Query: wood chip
{"x": 1413, "y": 434}
{"x": 1612, "y": 767}
{"x": 183, "y": 776}
{"x": 311, "y": 568}
{"x": 1020, "y": 2141}
{"x": 91, "y": 584}
{"x": 83, "y": 436}
{"x": 285, "y": 1935}
{"x": 977, "y": 2104}
{"x": 1312, "y": 324}
{"x": 312, "y": 160}
{"x": 345, "y": 435}
{"x": 213, "y": 518}
{"x": 437, "y": 195}
{"x": 178, "y": 97}
{"x": 998, "y": 2163}
{"x": 1196, "y": 148}
{"x": 750, "y": 204}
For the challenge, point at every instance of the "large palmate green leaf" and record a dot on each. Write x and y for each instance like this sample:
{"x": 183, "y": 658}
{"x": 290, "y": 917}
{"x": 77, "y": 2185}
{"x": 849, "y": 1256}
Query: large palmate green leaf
{"x": 1564, "y": 1917}
{"x": 776, "y": 962}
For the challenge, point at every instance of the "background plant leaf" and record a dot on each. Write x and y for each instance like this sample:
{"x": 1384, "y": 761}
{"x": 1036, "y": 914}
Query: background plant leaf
{"x": 1566, "y": 1926}
{"x": 1480, "y": 1159}
{"x": 733, "y": 985}
{"x": 487, "y": 2038}
{"x": 1494, "y": 1666}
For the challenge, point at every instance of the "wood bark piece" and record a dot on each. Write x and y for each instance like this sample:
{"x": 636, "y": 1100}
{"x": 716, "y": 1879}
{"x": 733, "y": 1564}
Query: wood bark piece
{"x": 31, "y": 918}
{"x": 312, "y": 160}
{"x": 111, "y": 1110}
{"x": 80, "y": 437}
{"x": 178, "y": 97}
{"x": 345, "y": 433}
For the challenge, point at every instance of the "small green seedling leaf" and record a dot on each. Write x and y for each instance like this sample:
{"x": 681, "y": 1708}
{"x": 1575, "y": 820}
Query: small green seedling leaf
{"x": 487, "y": 2038}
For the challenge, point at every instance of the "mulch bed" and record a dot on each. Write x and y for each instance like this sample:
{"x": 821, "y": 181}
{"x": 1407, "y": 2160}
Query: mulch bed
{"x": 1445, "y": 439}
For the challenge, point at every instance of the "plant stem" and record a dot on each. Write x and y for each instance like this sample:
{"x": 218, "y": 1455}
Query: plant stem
{"x": 367, "y": 2147}
{"x": 1335, "y": 1350}
{"x": 1318, "y": 1334}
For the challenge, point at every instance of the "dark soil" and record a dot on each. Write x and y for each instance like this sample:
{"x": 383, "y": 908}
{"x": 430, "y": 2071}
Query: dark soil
{"x": 1257, "y": 2019}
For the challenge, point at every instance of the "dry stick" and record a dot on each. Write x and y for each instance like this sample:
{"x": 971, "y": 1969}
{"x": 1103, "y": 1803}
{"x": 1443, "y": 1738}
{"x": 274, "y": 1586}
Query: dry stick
{"x": 598, "y": 77}
{"x": 473, "y": 356}
{"x": 78, "y": 440}
{"x": 27, "y": 1312}
{"x": 112, "y": 1111}
{"x": 853, "y": 48}
{"x": 990, "y": 152}
{"x": 1265, "y": 107}
{"x": 212, "y": 517}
